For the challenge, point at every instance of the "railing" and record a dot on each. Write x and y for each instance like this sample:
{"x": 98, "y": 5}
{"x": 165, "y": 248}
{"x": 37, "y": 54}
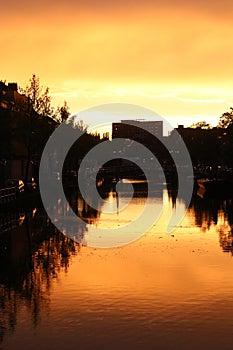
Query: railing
{"x": 7, "y": 194}
{"x": 9, "y": 222}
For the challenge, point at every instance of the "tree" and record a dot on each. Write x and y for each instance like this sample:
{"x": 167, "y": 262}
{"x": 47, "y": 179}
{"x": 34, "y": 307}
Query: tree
{"x": 226, "y": 119}
{"x": 79, "y": 124}
{"x": 33, "y": 92}
{"x": 35, "y": 123}
{"x": 202, "y": 125}
{"x": 45, "y": 108}
{"x": 38, "y": 101}
{"x": 63, "y": 113}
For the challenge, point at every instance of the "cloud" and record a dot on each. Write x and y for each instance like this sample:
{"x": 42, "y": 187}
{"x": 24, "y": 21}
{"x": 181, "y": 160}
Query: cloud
{"x": 200, "y": 100}
{"x": 211, "y": 7}
{"x": 148, "y": 52}
{"x": 85, "y": 41}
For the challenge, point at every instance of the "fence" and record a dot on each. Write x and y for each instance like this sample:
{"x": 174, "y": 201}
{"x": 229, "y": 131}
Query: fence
{"x": 7, "y": 194}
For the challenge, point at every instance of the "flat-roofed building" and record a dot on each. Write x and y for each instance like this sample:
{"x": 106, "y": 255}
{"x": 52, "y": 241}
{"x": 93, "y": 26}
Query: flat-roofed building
{"x": 137, "y": 129}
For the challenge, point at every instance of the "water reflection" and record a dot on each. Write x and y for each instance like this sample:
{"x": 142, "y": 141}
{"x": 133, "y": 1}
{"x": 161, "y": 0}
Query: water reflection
{"x": 33, "y": 254}
{"x": 218, "y": 212}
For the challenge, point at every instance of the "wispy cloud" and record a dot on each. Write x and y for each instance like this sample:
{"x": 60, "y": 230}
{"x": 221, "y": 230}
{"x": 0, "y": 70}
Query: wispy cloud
{"x": 193, "y": 100}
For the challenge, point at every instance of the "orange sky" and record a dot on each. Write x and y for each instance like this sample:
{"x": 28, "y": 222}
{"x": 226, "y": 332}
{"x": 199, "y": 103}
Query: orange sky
{"x": 172, "y": 56}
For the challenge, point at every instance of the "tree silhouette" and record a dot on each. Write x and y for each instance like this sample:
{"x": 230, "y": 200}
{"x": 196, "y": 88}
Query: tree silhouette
{"x": 45, "y": 109}
{"x": 39, "y": 101}
{"x": 34, "y": 121}
{"x": 202, "y": 124}
{"x": 62, "y": 113}
{"x": 226, "y": 119}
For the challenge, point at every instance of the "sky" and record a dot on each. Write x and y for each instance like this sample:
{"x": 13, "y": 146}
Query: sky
{"x": 172, "y": 56}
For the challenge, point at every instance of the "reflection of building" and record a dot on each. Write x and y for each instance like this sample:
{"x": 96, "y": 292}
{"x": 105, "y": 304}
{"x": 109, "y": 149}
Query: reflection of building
{"x": 136, "y": 129}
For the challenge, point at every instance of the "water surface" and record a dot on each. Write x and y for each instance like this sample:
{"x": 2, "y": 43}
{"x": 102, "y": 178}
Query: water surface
{"x": 163, "y": 291}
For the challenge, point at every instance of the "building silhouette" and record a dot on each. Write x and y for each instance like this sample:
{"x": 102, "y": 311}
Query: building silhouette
{"x": 10, "y": 98}
{"x": 137, "y": 130}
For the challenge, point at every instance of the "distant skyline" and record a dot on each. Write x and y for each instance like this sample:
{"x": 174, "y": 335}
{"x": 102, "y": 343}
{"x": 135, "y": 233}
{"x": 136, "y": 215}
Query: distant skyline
{"x": 174, "y": 57}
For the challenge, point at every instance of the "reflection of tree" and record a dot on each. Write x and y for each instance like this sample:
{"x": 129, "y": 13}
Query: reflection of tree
{"x": 226, "y": 239}
{"x": 226, "y": 231}
{"x": 229, "y": 210}
{"x": 217, "y": 211}
{"x": 85, "y": 209}
{"x": 172, "y": 193}
{"x": 35, "y": 255}
{"x": 206, "y": 211}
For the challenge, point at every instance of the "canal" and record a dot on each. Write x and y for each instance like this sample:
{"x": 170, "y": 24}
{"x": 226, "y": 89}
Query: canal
{"x": 161, "y": 291}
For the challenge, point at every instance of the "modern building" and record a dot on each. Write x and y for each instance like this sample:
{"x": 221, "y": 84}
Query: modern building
{"x": 137, "y": 129}
{"x": 147, "y": 133}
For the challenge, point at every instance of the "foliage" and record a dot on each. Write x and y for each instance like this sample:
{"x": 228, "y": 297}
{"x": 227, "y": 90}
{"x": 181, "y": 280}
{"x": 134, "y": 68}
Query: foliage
{"x": 62, "y": 113}
{"x": 79, "y": 124}
{"x": 45, "y": 108}
{"x": 39, "y": 101}
{"x": 33, "y": 91}
{"x": 226, "y": 119}
{"x": 202, "y": 125}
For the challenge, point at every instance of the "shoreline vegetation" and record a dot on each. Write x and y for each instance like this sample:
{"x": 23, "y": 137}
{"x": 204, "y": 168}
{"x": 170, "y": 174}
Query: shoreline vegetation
{"x": 28, "y": 119}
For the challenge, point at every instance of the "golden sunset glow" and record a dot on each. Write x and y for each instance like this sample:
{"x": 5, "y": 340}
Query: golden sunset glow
{"x": 174, "y": 57}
